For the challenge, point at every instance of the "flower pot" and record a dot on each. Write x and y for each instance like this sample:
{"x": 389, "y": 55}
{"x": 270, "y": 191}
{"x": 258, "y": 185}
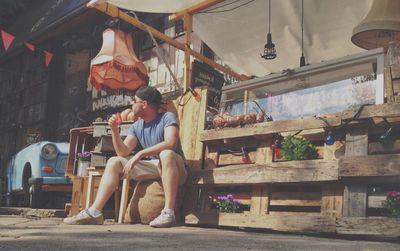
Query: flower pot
{"x": 83, "y": 168}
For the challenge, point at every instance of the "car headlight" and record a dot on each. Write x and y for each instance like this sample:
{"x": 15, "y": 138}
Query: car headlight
{"x": 49, "y": 151}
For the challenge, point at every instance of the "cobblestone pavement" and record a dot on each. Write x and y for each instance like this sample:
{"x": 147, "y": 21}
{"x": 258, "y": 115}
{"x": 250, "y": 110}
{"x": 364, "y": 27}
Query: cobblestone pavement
{"x": 30, "y": 232}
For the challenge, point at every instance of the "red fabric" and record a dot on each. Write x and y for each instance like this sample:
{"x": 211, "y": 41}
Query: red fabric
{"x": 7, "y": 39}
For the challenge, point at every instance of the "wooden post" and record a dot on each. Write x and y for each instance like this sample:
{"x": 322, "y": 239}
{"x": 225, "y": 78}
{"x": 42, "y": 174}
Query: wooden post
{"x": 188, "y": 27}
{"x": 355, "y": 195}
{"x": 124, "y": 199}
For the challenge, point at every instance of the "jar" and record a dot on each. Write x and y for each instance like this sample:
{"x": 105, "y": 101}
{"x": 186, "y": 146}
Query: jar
{"x": 393, "y": 54}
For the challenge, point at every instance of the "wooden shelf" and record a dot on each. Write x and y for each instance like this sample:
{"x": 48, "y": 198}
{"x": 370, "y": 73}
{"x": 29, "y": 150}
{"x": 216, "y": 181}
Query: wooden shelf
{"x": 275, "y": 172}
{"x": 335, "y": 119}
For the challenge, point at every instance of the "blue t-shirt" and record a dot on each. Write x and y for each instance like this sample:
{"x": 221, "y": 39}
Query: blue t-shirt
{"x": 152, "y": 133}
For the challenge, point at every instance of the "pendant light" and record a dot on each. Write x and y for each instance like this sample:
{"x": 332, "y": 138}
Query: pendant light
{"x": 380, "y": 26}
{"x": 302, "y": 58}
{"x": 269, "y": 48}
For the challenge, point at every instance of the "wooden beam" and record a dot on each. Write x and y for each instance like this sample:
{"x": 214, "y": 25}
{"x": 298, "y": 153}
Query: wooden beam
{"x": 370, "y": 166}
{"x": 289, "y": 222}
{"x": 266, "y": 128}
{"x": 377, "y": 226}
{"x": 276, "y": 172}
{"x": 114, "y": 11}
{"x": 194, "y": 9}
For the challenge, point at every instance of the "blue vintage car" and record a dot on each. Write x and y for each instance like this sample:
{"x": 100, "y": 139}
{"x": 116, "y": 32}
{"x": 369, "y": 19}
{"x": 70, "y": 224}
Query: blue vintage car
{"x": 34, "y": 170}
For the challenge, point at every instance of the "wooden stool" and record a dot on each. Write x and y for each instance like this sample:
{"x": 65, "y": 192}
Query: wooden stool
{"x": 95, "y": 174}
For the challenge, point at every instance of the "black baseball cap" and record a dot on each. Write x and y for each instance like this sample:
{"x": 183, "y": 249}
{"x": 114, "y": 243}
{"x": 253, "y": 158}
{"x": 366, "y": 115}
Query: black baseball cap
{"x": 150, "y": 94}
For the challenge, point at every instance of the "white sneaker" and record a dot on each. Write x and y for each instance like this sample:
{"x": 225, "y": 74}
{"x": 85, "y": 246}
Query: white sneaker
{"x": 163, "y": 220}
{"x": 84, "y": 218}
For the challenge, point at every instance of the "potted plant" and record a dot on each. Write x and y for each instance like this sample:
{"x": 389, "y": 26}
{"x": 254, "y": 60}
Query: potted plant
{"x": 83, "y": 163}
{"x": 228, "y": 204}
{"x": 392, "y": 203}
{"x": 297, "y": 148}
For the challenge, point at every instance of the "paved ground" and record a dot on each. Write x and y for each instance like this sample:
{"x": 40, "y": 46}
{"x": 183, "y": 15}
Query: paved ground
{"x": 31, "y": 232}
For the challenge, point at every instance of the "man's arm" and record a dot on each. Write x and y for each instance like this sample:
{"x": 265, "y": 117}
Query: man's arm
{"x": 122, "y": 148}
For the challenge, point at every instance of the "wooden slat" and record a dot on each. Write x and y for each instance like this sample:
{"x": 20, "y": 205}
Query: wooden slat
{"x": 290, "y": 171}
{"x": 295, "y": 199}
{"x": 291, "y": 222}
{"x": 230, "y": 159}
{"x": 377, "y": 147}
{"x": 332, "y": 200}
{"x": 260, "y": 200}
{"x": 356, "y": 142}
{"x": 376, "y": 200}
{"x": 355, "y": 200}
{"x": 384, "y": 110}
{"x": 378, "y": 226}
{"x": 372, "y": 165}
{"x": 266, "y": 128}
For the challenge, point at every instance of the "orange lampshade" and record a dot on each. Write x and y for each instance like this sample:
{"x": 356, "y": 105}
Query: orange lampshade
{"x": 116, "y": 67}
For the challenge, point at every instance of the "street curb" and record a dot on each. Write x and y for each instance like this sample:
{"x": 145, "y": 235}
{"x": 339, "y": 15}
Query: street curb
{"x": 30, "y": 212}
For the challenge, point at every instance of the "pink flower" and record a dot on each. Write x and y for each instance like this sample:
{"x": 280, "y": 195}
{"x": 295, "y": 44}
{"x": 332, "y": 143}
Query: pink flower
{"x": 393, "y": 194}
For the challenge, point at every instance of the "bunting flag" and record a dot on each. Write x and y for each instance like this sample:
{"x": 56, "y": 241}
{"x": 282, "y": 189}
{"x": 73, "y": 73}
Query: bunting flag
{"x": 30, "y": 46}
{"x": 7, "y": 39}
{"x": 49, "y": 56}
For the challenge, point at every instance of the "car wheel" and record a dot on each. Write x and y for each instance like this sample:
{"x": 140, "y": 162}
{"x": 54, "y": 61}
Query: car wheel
{"x": 35, "y": 196}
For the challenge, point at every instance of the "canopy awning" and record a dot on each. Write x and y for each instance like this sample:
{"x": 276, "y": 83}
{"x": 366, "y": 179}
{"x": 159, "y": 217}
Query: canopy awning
{"x": 236, "y": 30}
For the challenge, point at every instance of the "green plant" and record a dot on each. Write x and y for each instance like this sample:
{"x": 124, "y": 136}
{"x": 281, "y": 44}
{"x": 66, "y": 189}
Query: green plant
{"x": 228, "y": 204}
{"x": 297, "y": 148}
{"x": 392, "y": 203}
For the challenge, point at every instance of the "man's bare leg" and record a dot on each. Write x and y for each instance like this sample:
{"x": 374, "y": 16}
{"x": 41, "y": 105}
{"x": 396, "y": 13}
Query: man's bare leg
{"x": 109, "y": 182}
{"x": 170, "y": 176}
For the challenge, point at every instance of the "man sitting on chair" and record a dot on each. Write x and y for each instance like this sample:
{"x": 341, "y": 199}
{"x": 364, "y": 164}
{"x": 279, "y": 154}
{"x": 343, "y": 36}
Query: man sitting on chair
{"x": 161, "y": 157}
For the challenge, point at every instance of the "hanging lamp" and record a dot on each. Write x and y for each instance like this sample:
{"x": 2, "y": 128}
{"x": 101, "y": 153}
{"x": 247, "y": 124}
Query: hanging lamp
{"x": 302, "y": 58}
{"x": 116, "y": 68}
{"x": 269, "y": 48}
{"x": 380, "y": 26}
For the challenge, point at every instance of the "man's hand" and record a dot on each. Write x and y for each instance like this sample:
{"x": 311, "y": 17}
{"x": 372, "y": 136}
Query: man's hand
{"x": 114, "y": 121}
{"x": 132, "y": 162}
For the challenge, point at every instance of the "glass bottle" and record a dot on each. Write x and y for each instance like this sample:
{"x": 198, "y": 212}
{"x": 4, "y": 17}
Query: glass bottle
{"x": 393, "y": 54}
